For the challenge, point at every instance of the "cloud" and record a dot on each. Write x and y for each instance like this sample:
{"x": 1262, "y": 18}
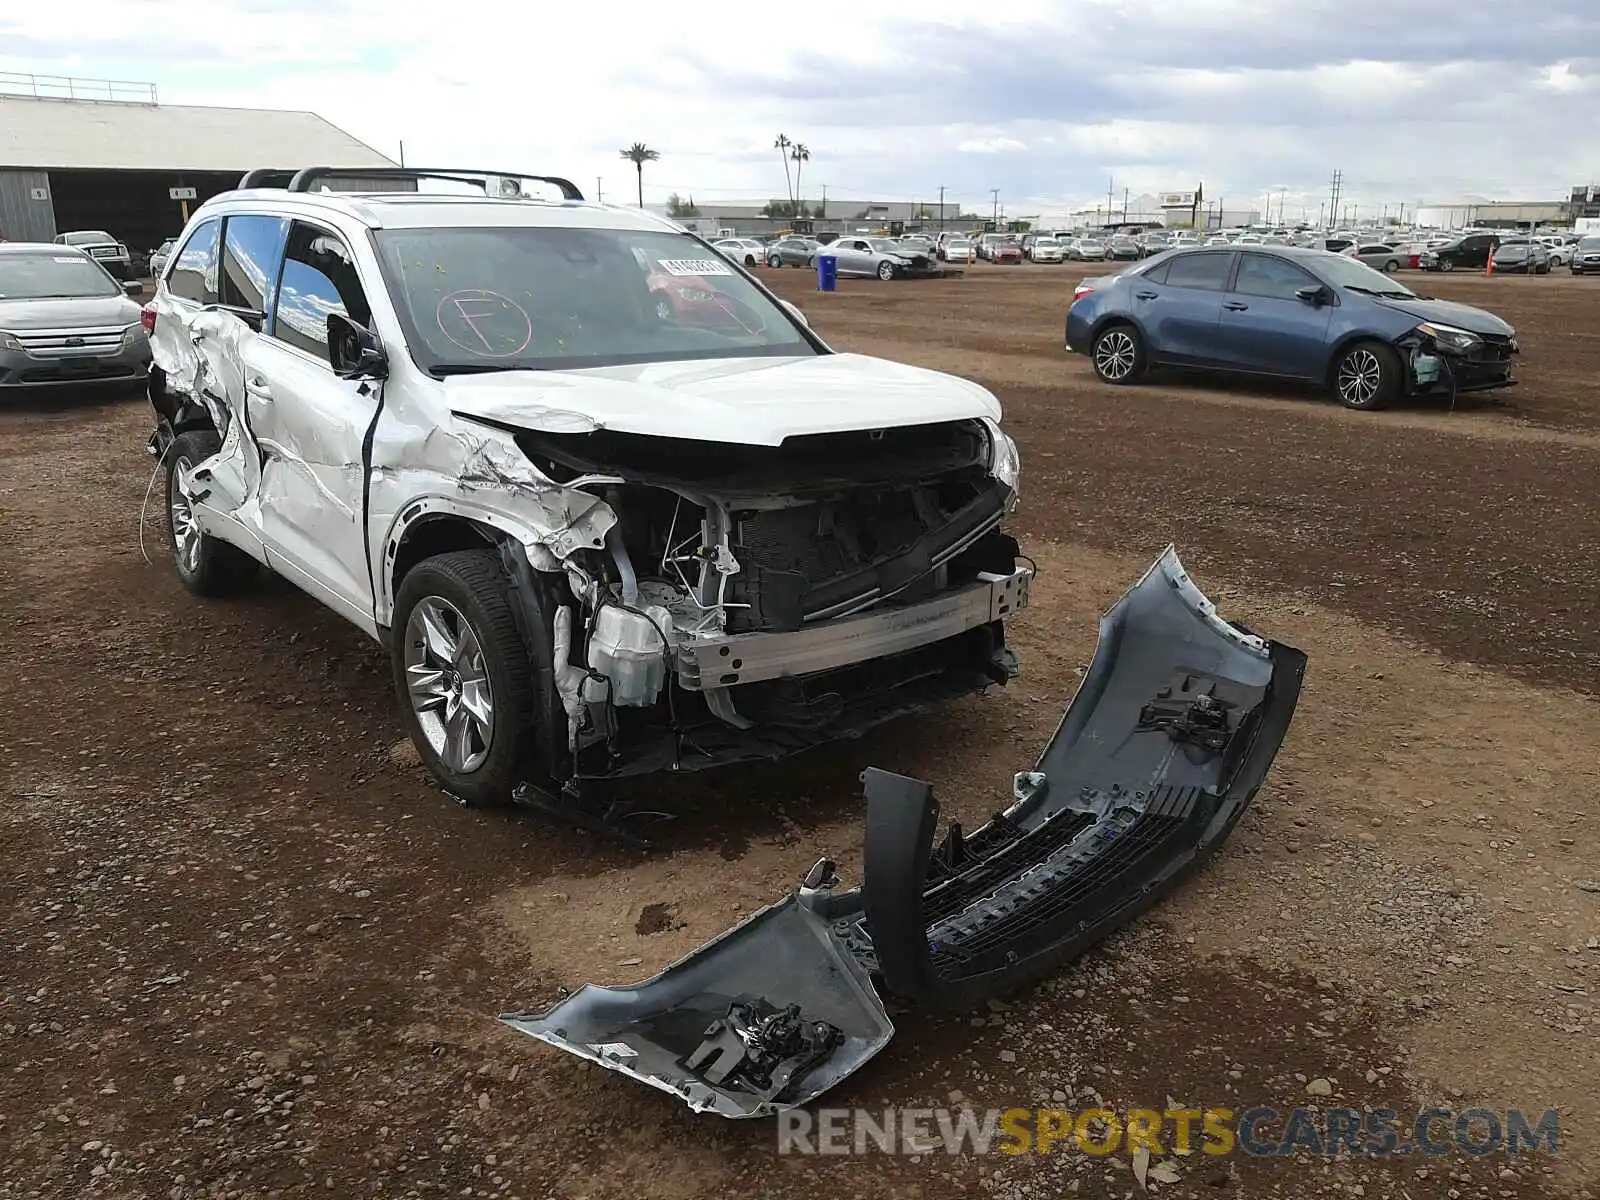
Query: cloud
{"x": 995, "y": 144}
{"x": 1052, "y": 104}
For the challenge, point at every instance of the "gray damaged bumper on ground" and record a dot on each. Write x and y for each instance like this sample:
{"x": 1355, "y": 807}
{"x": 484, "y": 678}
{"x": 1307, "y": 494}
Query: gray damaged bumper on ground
{"x": 1170, "y": 735}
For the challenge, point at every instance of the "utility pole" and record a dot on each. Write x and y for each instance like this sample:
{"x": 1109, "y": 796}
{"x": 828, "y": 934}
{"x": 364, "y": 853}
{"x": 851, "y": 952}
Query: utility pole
{"x": 995, "y": 217}
{"x": 402, "y": 154}
{"x": 1333, "y": 196}
{"x": 599, "y": 193}
{"x": 1111, "y": 190}
{"x": 1124, "y": 206}
{"x": 941, "y": 208}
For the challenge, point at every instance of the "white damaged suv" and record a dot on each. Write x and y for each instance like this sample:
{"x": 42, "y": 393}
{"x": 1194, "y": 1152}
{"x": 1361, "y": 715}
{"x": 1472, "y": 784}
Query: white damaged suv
{"x": 609, "y": 504}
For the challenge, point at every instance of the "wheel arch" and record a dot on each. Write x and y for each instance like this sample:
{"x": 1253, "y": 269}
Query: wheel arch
{"x": 433, "y": 525}
{"x": 181, "y": 412}
{"x": 1350, "y": 338}
{"x": 1106, "y": 320}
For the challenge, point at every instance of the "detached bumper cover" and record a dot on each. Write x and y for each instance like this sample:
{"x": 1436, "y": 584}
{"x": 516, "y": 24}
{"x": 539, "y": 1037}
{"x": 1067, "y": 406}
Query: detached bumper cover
{"x": 1169, "y": 737}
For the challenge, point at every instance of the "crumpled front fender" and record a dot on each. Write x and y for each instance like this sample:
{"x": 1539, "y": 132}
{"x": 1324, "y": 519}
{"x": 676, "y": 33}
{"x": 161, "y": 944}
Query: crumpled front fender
{"x": 1165, "y": 744}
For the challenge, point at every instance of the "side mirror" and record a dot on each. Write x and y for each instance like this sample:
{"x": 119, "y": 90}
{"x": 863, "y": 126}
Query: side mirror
{"x": 354, "y": 351}
{"x": 794, "y": 311}
{"x": 133, "y": 288}
{"x": 1313, "y": 294}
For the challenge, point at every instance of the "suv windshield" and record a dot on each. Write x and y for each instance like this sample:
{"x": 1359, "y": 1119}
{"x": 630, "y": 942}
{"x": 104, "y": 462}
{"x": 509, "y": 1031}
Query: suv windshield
{"x": 1589, "y": 244}
{"x": 53, "y": 277}
{"x": 560, "y": 299}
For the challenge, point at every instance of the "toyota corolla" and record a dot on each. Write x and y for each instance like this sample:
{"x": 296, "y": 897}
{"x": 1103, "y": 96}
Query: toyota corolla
{"x": 1290, "y": 313}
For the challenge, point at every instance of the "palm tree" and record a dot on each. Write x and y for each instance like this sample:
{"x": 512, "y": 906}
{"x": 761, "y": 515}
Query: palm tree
{"x": 801, "y": 156}
{"x": 639, "y": 154}
{"x": 781, "y": 145}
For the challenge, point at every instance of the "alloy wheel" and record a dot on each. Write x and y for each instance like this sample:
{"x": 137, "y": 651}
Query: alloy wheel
{"x": 186, "y": 533}
{"x": 1115, "y": 354}
{"x": 1360, "y": 378}
{"x": 447, "y": 681}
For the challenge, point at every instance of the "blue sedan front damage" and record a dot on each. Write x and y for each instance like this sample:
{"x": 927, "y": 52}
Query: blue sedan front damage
{"x": 1169, "y": 737}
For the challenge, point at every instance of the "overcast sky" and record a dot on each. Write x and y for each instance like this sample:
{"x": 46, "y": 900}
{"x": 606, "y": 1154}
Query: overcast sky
{"x": 1051, "y": 103}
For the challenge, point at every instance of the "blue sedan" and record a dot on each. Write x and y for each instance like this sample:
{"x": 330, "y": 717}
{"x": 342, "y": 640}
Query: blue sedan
{"x": 1288, "y": 313}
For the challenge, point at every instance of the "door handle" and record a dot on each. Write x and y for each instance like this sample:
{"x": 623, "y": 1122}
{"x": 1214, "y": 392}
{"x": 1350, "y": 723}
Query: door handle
{"x": 1145, "y": 295}
{"x": 1235, "y": 305}
{"x": 258, "y": 386}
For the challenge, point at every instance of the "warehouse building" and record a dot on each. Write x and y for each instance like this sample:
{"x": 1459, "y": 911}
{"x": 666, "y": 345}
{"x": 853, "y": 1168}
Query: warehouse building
{"x": 70, "y": 159}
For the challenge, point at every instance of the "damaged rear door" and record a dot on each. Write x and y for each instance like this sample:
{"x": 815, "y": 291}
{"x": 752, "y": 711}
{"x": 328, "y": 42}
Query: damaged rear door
{"x": 311, "y": 426}
{"x": 1170, "y": 735}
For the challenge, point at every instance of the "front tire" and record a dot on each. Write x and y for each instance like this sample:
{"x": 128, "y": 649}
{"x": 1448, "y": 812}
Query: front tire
{"x": 1118, "y": 354}
{"x": 1366, "y": 376}
{"x": 886, "y": 271}
{"x": 206, "y": 565}
{"x": 462, "y": 674}
{"x": 1447, "y": 264}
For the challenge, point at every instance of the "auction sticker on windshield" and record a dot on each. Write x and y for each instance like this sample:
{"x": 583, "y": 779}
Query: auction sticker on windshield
{"x": 693, "y": 267}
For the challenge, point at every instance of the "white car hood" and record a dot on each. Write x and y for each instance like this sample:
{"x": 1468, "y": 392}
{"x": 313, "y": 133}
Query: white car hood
{"x": 753, "y": 401}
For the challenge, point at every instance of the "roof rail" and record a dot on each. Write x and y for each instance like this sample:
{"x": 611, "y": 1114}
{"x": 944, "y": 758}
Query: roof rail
{"x": 304, "y": 178}
{"x": 260, "y": 177}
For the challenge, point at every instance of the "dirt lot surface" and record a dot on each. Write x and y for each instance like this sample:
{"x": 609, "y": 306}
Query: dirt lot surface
{"x": 247, "y": 950}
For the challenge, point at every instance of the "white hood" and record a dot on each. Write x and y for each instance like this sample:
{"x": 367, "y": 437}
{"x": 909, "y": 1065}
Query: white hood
{"x": 753, "y": 401}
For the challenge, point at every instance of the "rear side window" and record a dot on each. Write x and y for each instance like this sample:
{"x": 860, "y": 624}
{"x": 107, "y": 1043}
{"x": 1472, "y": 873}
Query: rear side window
{"x": 193, "y": 273}
{"x": 1208, "y": 271}
{"x": 252, "y": 247}
{"x": 319, "y": 279}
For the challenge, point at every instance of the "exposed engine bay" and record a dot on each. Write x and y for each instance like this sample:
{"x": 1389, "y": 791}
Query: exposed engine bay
{"x": 1173, "y": 729}
{"x": 749, "y": 601}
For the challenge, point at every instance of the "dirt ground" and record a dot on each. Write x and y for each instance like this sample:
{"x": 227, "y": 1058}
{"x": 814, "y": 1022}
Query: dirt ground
{"x": 247, "y": 950}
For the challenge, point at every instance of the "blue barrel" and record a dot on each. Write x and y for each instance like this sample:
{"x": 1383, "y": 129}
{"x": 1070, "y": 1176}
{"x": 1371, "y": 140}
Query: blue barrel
{"x": 827, "y": 272}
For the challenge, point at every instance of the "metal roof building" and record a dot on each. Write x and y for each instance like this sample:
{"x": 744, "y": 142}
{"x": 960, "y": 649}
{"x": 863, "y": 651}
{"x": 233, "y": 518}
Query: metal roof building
{"x": 95, "y": 154}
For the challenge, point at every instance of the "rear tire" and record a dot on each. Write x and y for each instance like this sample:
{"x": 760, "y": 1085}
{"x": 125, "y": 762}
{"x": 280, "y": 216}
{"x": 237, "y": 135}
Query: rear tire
{"x": 1391, "y": 266}
{"x": 1118, "y": 354}
{"x": 456, "y": 656}
{"x": 206, "y": 565}
{"x": 774, "y": 261}
{"x": 1366, "y": 376}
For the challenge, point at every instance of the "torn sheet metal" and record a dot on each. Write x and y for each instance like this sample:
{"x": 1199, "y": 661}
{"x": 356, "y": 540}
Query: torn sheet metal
{"x": 1170, "y": 735}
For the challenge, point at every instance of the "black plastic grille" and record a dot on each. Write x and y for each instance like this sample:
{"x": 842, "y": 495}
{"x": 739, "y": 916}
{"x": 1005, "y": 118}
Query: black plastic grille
{"x": 1106, "y": 871}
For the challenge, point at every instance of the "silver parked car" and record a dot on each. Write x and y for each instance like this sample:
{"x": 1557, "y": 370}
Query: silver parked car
{"x": 1381, "y": 256}
{"x": 159, "y": 256}
{"x": 792, "y": 252}
{"x": 103, "y": 248}
{"x": 1086, "y": 250}
{"x": 883, "y": 257}
{"x": 65, "y": 321}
